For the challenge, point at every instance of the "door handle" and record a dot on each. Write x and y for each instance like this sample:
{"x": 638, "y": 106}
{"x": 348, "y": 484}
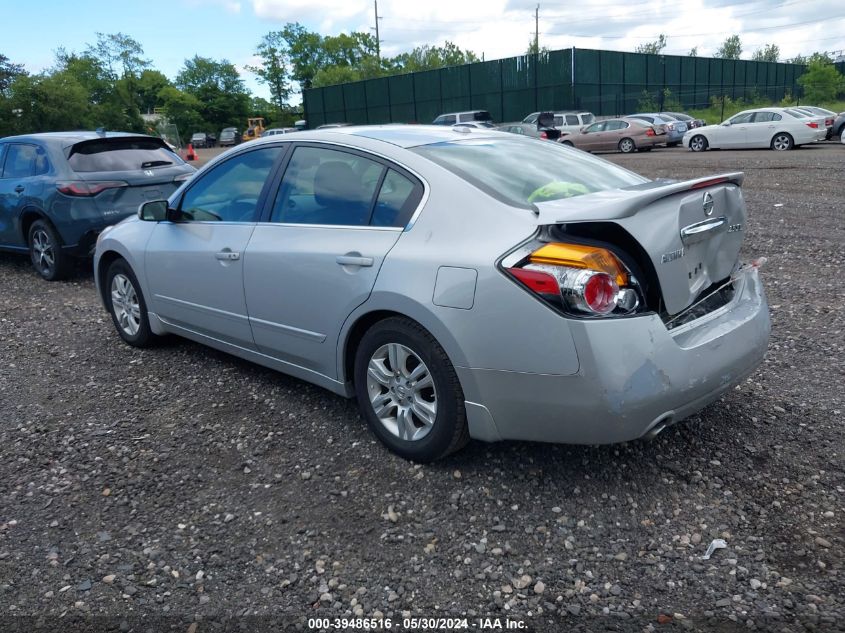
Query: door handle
{"x": 354, "y": 260}
{"x": 19, "y": 189}
{"x": 228, "y": 255}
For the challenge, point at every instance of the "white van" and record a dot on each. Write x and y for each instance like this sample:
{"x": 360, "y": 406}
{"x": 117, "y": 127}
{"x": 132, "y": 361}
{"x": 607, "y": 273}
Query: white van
{"x": 470, "y": 116}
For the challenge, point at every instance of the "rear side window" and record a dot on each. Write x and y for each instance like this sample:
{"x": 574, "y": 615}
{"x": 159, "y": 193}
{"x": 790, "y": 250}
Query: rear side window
{"x": 396, "y": 201}
{"x": 23, "y": 161}
{"x": 327, "y": 186}
{"x": 446, "y": 119}
{"x": 522, "y": 171}
{"x": 572, "y": 119}
{"x": 765, "y": 117}
{"x": 121, "y": 154}
{"x": 587, "y": 118}
{"x": 482, "y": 115}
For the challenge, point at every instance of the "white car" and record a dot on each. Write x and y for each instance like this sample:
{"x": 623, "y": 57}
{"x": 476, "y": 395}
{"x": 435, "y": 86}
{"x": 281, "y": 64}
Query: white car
{"x": 570, "y": 121}
{"x": 778, "y": 128}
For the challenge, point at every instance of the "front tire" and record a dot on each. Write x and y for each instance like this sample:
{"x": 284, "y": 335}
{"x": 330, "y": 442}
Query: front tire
{"x": 782, "y": 142}
{"x": 627, "y": 145}
{"x": 408, "y": 391}
{"x": 127, "y": 306}
{"x": 45, "y": 251}
{"x": 698, "y": 143}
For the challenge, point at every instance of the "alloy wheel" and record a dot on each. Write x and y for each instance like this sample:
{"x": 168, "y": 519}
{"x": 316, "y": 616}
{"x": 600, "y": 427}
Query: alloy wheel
{"x": 401, "y": 391}
{"x": 43, "y": 252}
{"x": 781, "y": 142}
{"x": 125, "y": 304}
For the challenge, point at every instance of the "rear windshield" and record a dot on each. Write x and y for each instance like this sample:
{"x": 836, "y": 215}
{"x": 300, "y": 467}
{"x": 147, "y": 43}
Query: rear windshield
{"x": 798, "y": 114}
{"x": 121, "y": 155}
{"x": 523, "y": 171}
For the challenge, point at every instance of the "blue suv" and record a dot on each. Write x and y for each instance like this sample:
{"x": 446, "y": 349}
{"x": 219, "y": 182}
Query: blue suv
{"x": 58, "y": 190}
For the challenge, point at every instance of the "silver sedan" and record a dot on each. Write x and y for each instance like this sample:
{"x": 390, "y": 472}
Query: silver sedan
{"x": 459, "y": 283}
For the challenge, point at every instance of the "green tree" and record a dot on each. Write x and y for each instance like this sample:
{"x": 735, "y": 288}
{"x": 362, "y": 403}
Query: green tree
{"x": 149, "y": 86}
{"x": 769, "y": 53}
{"x": 183, "y": 110}
{"x": 219, "y": 89}
{"x": 731, "y": 48}
{"x": 8, "y": 72}
{"x": 48, "y": 102}
{"x": 272, "y": 70}
{"x": 119, "y": 54}
{"x": 305, "y": 53}
{"x": 798, "y": 59}
{"x": 655, "y": 47}
{"x": 429, "y": 57}
{"x": 822, "y": 82}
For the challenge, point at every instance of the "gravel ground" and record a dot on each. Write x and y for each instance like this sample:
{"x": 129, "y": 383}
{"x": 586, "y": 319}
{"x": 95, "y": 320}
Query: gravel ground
{"x": 183, "y": 484}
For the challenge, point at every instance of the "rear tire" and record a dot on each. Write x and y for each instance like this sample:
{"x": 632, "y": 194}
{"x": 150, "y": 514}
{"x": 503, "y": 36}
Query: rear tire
{"x": 45, "y": 251}
{"x": 408, "y": 391}
{"x": 782, "y": 142}
{"x": 127, "y": 306}
{"x": 627, "y": 145}
{"x": 675, "y": 144}
{"x": 568, "y": 143}
{"x": 698, "y": 143}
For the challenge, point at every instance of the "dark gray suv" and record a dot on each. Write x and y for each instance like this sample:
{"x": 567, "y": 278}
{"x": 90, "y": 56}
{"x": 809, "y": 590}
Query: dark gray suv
{"x": 58, "y": 190}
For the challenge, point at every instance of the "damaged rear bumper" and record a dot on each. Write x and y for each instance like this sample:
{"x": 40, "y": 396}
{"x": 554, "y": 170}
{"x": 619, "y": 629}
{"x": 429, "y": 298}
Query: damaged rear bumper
{"x": 635, "y": 377}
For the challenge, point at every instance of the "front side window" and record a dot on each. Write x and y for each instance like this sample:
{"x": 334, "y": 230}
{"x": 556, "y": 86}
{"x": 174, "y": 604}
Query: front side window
{"x": 230, "y": 192}
{"x": 587, "y": 118}
{"x": 742, "y": 118}
{"x": 596, "y": 127}
{"x": 572, "y": 119}
{"x": 522, "y": 171}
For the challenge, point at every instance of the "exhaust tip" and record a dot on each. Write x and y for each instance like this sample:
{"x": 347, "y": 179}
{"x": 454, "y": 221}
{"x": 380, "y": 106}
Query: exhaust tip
{"x": 659, "y": 426}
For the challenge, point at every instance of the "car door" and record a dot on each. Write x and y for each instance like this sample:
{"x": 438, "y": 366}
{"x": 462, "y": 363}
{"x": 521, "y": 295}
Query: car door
{"x": 335, "y": 216}
{"x": 194, "y": 266}
{"x": 760, "y": 129}
{"x": 590, "y": 139}
{"x": 22, "y": 182}
{"x": 736, "y": 134}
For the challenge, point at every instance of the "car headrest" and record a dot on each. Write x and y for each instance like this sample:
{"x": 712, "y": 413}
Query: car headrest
{"x": 335, "y": 182}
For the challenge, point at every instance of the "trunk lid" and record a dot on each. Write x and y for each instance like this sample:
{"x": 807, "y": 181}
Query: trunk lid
{"x": 691, "y": 231}
{"x": 118, "y": 202}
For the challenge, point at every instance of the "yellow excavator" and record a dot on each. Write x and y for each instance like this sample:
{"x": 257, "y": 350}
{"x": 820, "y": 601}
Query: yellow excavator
{"x": 255, "y": 126}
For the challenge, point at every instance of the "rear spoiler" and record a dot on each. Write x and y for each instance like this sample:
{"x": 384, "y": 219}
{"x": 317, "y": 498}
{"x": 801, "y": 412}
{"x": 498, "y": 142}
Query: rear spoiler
{"x": 614, "y": 204}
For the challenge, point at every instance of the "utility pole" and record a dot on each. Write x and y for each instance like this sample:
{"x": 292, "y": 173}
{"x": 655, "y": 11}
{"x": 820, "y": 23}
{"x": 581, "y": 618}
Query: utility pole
{"x": 537, "y": 30}
{"x": 378, "y": 41}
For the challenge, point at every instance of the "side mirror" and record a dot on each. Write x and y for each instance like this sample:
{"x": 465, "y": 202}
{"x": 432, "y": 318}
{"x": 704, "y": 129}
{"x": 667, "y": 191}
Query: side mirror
{"x": 153, "y": 211}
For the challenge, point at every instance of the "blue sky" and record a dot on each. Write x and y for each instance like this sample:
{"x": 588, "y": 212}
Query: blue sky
{"x": 172, "y": 30}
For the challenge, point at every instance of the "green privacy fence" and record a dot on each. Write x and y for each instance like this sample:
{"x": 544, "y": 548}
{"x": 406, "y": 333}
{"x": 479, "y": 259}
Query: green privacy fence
{"x": 604, "y": 82}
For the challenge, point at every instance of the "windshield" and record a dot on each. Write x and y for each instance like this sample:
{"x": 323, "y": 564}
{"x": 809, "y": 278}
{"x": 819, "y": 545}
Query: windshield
{"x": 523, "y": 171}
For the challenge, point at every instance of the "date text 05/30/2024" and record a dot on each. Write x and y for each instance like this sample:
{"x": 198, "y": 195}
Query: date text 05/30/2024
{"x": 416, "y": 624}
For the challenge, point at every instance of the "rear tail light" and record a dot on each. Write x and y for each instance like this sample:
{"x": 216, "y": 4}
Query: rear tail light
{"x": 650, "y": 132}
{"x": 671, "y": 126}
{"x": 543, "y": 135}
{"x": 813, "y": 125}
{"x": 582, "y": 280}
{"x": 87, "y": 189}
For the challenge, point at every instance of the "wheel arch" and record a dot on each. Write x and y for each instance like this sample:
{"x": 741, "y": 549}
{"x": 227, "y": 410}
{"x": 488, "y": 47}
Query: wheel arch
{"x": 383, "y": 307}
{"x": 103, "y": 263}
{"x": 29, "y": 215}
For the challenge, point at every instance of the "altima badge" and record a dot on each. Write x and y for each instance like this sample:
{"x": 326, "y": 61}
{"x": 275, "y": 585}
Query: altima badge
{"x": 149, "y": 172}
{"x": 707, "y": 204}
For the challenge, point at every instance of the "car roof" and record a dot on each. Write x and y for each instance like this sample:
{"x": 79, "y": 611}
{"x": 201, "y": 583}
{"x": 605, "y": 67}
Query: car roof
{"x": 398, "y": 134}
{"x": 69, "y": 138}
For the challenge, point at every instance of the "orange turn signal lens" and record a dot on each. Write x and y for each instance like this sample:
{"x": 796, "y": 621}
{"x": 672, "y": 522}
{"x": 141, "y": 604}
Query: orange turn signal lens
{"x": 581, "y": 256}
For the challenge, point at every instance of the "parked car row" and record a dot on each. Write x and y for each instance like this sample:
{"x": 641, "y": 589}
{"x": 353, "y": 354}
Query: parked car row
{"x": 340, "y": 257}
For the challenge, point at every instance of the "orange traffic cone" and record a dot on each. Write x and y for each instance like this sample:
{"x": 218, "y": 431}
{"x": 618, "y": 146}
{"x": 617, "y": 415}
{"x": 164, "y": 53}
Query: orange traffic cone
{"x": 192, "y": 155}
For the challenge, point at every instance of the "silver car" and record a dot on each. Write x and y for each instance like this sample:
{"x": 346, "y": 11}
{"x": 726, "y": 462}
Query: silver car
{"x": 459, "y": 284}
